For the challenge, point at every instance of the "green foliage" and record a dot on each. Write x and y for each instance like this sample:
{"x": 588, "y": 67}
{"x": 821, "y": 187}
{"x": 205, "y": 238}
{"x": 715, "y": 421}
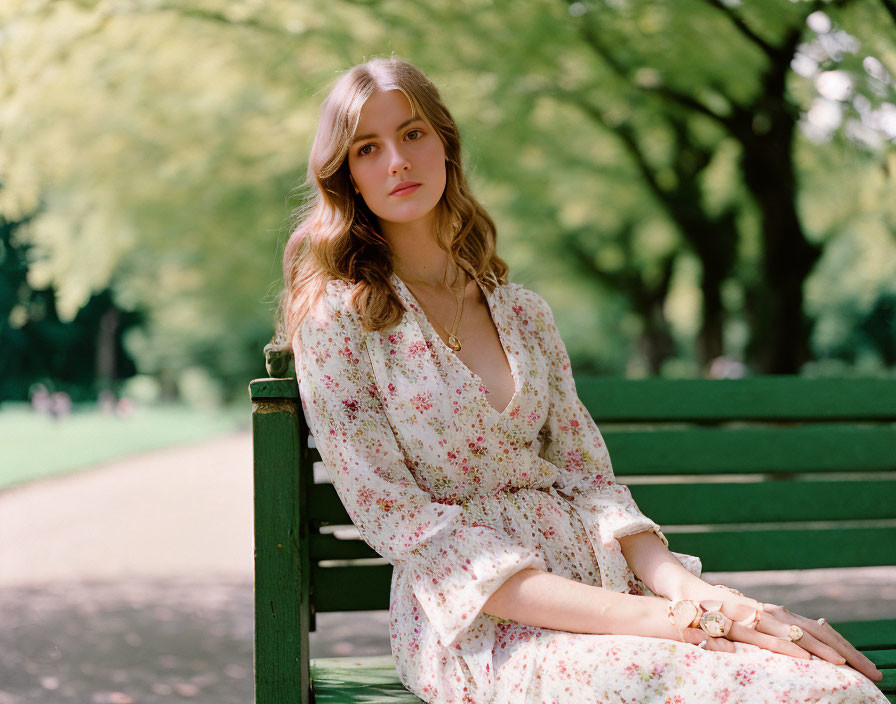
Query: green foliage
{"x": 37, "y": 348}
{"x": 161, "y": 145}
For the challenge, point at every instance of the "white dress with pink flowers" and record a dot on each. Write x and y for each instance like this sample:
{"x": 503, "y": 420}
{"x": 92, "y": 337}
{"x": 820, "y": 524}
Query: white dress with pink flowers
{"x": 458, "y": 497}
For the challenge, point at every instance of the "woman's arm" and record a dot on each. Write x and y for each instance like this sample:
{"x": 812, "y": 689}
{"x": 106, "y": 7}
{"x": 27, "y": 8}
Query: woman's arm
{"x": 538, "y": 598}
{"x": 653, "y": 563}
{"x": 572, "y": 442}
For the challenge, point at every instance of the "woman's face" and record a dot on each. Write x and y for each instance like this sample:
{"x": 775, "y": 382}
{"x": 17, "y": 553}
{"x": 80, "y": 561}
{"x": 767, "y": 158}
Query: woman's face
{"x": 392, "y": 147}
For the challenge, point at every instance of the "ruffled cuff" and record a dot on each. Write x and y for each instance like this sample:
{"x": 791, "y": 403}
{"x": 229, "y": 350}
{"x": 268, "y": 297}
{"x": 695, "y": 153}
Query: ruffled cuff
{"x": 455, "y": 578}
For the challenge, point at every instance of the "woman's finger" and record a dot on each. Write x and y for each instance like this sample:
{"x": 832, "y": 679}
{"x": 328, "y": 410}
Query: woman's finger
{"x": 808, "y": 642}
{"x": 829, "y": 635}
{"x": 769, "y": 642}
{"x": 722, "y": 645}
{"x": 696, "y": 636}
{"x": 820, "y": 639}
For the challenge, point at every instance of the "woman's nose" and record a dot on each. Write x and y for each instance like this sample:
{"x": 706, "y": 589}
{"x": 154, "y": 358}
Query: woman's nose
{"x": 398, "y": 161}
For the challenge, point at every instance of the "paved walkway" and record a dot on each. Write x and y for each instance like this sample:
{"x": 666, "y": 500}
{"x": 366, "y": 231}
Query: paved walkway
{"x": 132, "y": 582}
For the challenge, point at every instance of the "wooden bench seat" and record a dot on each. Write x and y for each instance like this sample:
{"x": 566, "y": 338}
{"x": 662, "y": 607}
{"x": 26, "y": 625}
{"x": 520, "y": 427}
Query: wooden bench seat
{"x": 754, "y": 474}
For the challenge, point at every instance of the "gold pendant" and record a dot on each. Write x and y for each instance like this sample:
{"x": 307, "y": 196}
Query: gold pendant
{"x": 454, "y": 343}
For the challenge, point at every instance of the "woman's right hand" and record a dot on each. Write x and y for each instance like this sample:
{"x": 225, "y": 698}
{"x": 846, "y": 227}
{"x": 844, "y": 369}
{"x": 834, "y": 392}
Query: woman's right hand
{"x": 771, "y": 632}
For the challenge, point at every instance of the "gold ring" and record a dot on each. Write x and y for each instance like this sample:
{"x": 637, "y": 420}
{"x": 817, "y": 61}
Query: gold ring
{"x": 794, "y": 633}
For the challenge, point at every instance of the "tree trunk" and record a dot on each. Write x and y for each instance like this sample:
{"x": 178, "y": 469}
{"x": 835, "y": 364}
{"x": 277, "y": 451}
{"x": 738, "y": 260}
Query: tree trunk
{"x": 780, "y": 340}
{"x": 710, "y": 338}
{"x": 105, "y": 349}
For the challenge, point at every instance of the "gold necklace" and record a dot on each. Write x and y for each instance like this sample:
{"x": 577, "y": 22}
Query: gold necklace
{"x": 454, "y": 341}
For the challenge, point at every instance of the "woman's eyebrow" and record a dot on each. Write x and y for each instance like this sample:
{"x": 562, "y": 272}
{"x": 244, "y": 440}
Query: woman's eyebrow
{"x": 397, "y": 129}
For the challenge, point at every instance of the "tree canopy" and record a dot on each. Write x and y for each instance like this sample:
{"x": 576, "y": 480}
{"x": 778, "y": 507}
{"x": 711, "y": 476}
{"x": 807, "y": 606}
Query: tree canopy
{"x": 682, "y": 180}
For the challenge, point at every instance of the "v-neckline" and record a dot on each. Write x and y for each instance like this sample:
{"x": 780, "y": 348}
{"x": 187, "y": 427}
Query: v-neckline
{"x": 511, "y": 360}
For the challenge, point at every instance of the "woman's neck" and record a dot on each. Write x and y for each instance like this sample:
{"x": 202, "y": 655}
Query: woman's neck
{"x": 418, "y": 256}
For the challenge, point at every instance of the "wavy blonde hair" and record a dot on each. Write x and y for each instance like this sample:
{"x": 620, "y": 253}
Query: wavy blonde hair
{"x": 336, "y": 236}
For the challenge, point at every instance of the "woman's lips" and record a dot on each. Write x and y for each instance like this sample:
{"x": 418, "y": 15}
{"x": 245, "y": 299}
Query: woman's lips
{"x": 406, "y": 191}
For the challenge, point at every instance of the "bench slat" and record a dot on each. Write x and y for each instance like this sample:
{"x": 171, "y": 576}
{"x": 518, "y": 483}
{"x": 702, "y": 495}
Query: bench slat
{"x": 325, "y": 546}
{"x": 888, "y": 683}
{"x": 325, "y": 507}
{"x": 351, "y": 588}
{"x": 774, "y": 450}
{"x": 709, "y": 400}
{"x": 809, "y": 449}
{"x": 759, "y": 397}
{"x": 865, "y": 635}
{"x": 747, "y": 502}
{"x": 724, "y": 551}
{"x": 766, "y": 501}
{"x": 742, "y": 549}
{"x": 882, "y": 658}
{"x": 787, "y": 549}
{"x": 371, "y": 678}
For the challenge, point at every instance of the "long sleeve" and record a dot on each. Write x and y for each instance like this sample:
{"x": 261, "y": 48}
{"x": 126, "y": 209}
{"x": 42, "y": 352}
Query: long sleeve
{"x": 574, "y": 444}
{"x": 457, "y": 562}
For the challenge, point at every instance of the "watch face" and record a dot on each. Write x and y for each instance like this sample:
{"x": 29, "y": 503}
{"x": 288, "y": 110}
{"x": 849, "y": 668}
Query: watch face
{"x": 684, "y": 613}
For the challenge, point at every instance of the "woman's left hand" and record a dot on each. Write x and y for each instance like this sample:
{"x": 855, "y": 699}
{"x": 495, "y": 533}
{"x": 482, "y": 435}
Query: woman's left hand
{"x": 821, "y": 640}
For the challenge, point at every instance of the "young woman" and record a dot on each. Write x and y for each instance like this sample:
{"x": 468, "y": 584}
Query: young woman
{"x": 441, "y": 400}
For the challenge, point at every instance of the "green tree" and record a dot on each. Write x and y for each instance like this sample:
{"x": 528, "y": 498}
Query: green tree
{"x": 623, "y": 143}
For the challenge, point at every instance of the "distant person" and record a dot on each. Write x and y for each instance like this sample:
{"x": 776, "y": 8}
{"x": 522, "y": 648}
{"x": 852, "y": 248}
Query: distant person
{"x": 724, "y": 368}
{"x": 125, "y": 407}
{"x": 442, "y": 402}
{"x": 107, "y": 402}
{"x": 40, "y": 399}
{"x": 60, "y": 405}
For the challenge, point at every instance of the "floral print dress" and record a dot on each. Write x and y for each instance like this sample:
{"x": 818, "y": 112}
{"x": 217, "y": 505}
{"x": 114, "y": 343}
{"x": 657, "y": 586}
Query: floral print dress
{"x": 459, "y": 496}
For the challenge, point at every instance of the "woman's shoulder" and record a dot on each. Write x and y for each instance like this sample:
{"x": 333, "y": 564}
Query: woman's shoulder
{"x": 526, "y": 302}
{"x": 333, "y": 308}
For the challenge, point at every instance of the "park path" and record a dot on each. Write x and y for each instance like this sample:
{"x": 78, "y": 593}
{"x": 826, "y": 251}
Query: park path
{"x": 132, "y": 582}
{"x": 178, "y": 511}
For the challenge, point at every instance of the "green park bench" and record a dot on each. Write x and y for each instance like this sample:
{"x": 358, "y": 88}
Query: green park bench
{"x": 814, "y": 459}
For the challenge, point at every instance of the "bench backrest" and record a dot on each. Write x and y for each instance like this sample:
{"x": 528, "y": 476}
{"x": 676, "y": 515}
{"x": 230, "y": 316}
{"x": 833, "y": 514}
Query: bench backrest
{"x": 758, "y": 473}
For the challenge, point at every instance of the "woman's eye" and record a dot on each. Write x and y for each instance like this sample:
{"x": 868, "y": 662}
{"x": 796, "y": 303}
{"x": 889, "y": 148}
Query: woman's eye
{"x": 365, "y": 150}
{"x": 414, "y": 132}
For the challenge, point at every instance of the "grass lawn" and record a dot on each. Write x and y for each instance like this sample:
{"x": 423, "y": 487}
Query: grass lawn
{"x": 34, "y": 446}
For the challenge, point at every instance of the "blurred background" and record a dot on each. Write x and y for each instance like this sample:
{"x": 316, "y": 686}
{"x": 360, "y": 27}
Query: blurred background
{"x": 697, "y": 187}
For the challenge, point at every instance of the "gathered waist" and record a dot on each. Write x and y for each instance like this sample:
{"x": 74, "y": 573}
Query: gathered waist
{"x": 479, "y": 497}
